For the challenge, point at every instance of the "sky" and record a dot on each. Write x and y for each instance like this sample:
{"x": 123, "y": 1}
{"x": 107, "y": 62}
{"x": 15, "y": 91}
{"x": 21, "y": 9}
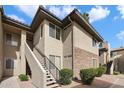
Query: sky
{"x": 107, "y": 20}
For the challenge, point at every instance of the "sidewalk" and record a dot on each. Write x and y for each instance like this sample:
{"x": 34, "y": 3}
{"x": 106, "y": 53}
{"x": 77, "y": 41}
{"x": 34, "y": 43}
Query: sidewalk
{"x": 14, "y": 82}
{"x": 9, "y": 82}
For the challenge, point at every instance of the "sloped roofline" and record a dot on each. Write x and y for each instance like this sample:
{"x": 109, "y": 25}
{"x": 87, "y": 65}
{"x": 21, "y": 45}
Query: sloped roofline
{"x": 54, "y": 17}
{"x": 117, "y": 49}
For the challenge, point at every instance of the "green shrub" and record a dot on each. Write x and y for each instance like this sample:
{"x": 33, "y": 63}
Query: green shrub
{"x": 100, "y": 71}
{"x": 66, "y": 76}
{"x": 116, "y": 72}
{"x": 23, "y": 77}
{"x": 87, "y": 75}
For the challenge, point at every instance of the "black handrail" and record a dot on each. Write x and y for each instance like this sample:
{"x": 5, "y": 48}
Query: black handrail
{"x": 50, "y": 65}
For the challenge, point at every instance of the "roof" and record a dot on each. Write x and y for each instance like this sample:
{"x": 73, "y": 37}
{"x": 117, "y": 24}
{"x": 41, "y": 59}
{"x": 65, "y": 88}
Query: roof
{"x": 43, "y": 13}
{"x": 14, "y": 22}
{"x": 117, "y": 49}
{"x": 75, "y": 15}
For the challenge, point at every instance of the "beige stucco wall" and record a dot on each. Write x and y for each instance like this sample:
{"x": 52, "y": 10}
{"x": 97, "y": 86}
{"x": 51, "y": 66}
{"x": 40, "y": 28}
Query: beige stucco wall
{"x": 38, "y": 73}
{"x": 23, "y": 60}
{"x": 52, "y": 45}
{"x": 83, "y": 40}
{"x": 120, "y": 61}
{"x": 38, "y": 41}
{"x": 1, "y": 47}
{"x": 14, "y": 53}
{"x": 67, "y": 47}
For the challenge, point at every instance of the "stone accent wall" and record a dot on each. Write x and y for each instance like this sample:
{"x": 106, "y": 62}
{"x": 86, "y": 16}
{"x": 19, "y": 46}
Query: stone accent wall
{"x": 82, "y": 59}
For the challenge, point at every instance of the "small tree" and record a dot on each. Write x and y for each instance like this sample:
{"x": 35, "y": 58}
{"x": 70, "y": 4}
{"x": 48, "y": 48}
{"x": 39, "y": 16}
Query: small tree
{"x": 86, "y": 16}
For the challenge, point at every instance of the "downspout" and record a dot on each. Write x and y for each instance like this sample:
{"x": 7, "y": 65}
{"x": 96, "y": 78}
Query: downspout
{"x": 72, "y": 46}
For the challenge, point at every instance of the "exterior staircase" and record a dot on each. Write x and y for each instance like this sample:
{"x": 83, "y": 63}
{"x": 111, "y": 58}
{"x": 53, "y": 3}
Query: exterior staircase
{"x": 51, "y": 82}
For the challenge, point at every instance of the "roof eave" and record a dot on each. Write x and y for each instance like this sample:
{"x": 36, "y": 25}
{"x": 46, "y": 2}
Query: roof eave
{"x": 91, "y": 27}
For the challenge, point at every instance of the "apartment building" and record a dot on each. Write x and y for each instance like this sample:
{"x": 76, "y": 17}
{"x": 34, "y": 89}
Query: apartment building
{"x": 47, "y": 45}
{"x": 118, "y": 59}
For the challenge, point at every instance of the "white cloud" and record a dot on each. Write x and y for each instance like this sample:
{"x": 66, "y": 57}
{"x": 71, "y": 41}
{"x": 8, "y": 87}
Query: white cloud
{"x": 120, "y": 8}
{"x": 29, "y": 10}
{"x": 120, "y": 35}
{"x": 98, "y": 12}
{"x": 61, "y": 11}
{"x": 16, "y": 18}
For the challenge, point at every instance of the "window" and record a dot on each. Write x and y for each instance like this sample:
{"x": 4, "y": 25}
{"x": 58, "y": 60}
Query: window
{"x": 11, "y": 39}
{"x": 94, "y": 63}
{"x": 94, "y": 42}
{"x": 56, "y": 60}
{"x": 8, "y": 39}
{"x": 58, "y": 33}
{"x": 52, "y": 59}
{"x": 9, "y": 63}
{"x": 54, "y": 31}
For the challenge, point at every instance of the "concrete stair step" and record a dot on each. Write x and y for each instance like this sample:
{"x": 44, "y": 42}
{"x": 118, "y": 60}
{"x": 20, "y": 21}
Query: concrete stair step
{"x": 53, "y": 86}
{"x": 51, "y": 82}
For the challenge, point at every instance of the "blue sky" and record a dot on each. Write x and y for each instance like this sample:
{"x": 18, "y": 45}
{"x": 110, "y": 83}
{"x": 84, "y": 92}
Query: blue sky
{"x": 107, "y": 20}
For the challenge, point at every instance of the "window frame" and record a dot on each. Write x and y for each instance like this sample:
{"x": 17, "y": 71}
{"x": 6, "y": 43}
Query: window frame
{"x": 94, "y": 65}
{"x": 12, "y": 40}
{"x": 55, "y": 31}
{"x": 94, "y": 42}
{"x": 11, "y": 64}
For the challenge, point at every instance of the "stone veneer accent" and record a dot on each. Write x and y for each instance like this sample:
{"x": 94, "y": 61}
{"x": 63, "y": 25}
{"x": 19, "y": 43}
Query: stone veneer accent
{"x": 82, "y": 60}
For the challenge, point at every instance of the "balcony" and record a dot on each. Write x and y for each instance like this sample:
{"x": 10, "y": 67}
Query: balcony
{"x": 103, "y": 46}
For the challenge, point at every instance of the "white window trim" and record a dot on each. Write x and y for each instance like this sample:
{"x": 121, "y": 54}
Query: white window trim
{"x": 96, "y": 62}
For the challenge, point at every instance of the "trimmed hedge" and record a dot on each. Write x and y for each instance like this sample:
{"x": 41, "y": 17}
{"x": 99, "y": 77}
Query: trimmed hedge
{"x": 87, "y": 75}
{"x": 23, "y": 77}
{"x": 65, "y": 76}
{"x": 100, "y": 71}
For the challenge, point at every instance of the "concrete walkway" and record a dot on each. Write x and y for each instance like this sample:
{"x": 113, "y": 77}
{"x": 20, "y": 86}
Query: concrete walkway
{"x": 119, "y": 83}
{"x": 106, "y": 81}
{"x": 10, "y": 82}
{"x": 14, "y": 82}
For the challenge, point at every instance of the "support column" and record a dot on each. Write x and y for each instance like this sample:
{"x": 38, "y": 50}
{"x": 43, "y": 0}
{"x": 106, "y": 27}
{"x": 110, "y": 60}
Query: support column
{"x": 23, "y": 60}
{"x": 1, "y": 45}
{"x": 112, "y": 68}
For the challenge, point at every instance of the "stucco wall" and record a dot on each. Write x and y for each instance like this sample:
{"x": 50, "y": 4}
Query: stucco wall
{"x": 52, "y": 45}
{"x": 119, "y": 62}
{"x": 83, "y": 51}
{"x": 83, "y": 40}
{"x": 14, "y": 53}
{"x": 38, "y": 73}
{"x": 1, "y": 47}
{"x": 67, "y": 47}
{"x": 38, "y": 41}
